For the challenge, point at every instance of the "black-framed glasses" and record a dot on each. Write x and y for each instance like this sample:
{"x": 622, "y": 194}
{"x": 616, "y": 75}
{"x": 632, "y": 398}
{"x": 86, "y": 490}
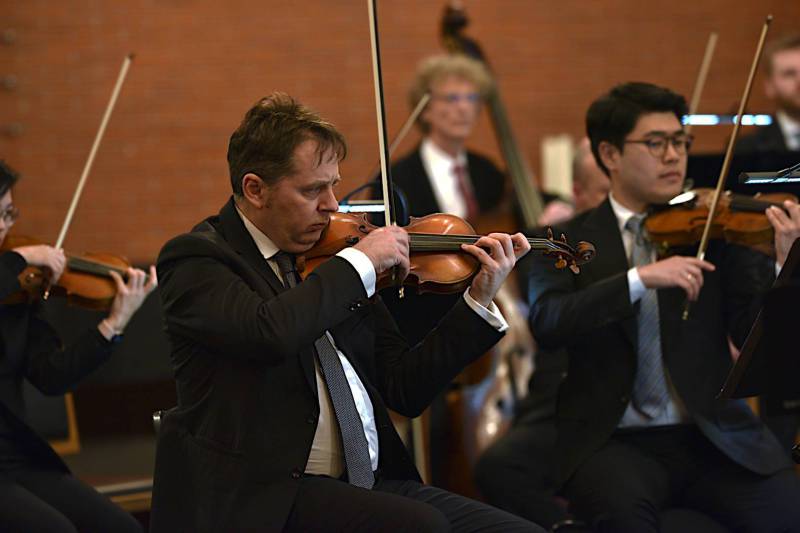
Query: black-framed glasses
{"x": 452, "y": 98}
{"x": 657, "y": 145}
{"x": 10, "y": 215}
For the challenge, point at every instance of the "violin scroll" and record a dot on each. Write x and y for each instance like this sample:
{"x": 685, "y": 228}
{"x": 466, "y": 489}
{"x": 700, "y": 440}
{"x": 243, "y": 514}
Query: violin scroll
{"x": 566, "y": 255}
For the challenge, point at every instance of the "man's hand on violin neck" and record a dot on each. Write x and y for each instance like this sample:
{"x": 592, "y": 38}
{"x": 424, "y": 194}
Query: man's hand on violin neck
{"x": 44, "y": 256}
{"x": 787, "y": 228}
{"x": 130, "y": 295}
{"x": 676, "y": 271}
{"x": 386, "y": 247}
{"x": 497, "y": 253}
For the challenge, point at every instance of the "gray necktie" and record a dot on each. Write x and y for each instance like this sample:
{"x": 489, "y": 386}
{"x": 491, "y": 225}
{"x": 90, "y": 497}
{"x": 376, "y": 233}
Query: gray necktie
{"x": 354, "y": 441}
{"x": 650, "y": 393}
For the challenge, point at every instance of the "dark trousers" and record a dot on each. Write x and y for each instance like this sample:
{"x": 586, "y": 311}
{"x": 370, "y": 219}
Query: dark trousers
{"x": 35, "y": 499}
{"x": 326, "y": 504}
{"x": 623, "y": 486}
{"x": 514, "y": 474}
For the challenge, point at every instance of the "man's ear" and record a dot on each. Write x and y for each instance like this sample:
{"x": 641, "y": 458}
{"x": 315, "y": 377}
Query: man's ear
{"x": 254, "y": 190}
{"x": 609, "y": 155}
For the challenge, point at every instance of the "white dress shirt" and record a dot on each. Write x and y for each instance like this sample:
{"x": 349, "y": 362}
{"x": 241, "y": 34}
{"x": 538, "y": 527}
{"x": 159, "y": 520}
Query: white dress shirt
{"x": 790, "y": 129}
{"x": 327, "y": 456}
{"x": 675, "y": 412}
{"x": 444, "y": 182}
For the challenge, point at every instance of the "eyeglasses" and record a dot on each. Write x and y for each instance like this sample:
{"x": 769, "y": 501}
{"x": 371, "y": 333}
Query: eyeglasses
{"x": 10, "y": 215}
{"x": 657, "y": 145}
{"x": 452, "y": 98}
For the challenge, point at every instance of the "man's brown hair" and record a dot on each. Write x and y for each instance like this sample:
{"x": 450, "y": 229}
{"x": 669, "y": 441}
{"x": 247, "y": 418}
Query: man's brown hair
{"x": 265, "y": 141}
{"x": 787, "y": 42}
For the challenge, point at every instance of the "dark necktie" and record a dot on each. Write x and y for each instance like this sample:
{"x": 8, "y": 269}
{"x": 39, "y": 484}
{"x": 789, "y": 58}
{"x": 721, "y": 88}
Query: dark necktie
{"x": 465, "y": 188}
{"x": 354, "y": 441}
{"x": 650, "y": 393}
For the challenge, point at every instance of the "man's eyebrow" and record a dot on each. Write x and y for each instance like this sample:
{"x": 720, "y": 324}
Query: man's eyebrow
{"x": 664, "y": 133}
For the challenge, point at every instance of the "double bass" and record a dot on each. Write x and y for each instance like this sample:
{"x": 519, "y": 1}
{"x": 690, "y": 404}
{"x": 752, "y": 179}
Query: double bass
{"x": 485, "y": 407}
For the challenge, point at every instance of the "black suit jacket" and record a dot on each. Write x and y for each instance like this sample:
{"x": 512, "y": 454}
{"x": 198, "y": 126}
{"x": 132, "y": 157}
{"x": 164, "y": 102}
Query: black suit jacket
{"x": 30, "y": 349}
{"x": 409, "y": 174}
{"x": 764, "y": 139}
{"x": 591, "y": 315}
{"x": 231, "y": 454}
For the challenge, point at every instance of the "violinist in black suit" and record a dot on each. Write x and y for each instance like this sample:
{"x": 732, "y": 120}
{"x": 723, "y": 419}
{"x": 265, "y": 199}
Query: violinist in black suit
{"x": 37, "y": 491}
{"x": 638, "y": 426}
{"x": 283, "y": 386}
{"x": 782, "y": 86}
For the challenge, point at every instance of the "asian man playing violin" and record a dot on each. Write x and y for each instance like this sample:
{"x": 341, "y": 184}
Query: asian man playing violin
{"x": 283, "y": 385}
{"x": 639, "y": 428}
{"x": 37, "y": 491}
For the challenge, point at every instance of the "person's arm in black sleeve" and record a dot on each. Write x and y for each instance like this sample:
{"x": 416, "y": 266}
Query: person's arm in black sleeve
{"x": 561, "y": 312}
{"x": 11, "y": 266}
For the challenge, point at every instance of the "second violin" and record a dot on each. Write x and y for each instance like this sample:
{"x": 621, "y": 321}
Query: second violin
{"x": 738, "y": 219}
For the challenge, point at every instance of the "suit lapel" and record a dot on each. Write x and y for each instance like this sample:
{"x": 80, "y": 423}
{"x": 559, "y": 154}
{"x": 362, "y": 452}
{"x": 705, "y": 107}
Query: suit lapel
{"x": 602, "y": 229}
{"x": 421, "y": 198}
{"x": 240, "y": 240}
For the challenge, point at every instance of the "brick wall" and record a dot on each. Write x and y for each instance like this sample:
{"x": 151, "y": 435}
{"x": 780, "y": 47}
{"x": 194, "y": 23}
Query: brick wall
{"x": 201, "y": 63}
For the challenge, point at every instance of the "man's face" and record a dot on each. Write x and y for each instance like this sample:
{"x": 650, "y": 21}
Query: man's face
{"x": 298, "y": 207}
{"x": 6, "y": 203}
{"x": 639, "y": 175}
{"x": 452, "y": 110}
{"x": 783, "y": 85}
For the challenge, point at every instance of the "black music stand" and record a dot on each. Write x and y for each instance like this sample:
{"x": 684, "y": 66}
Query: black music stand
{"x": 770, "y": 357}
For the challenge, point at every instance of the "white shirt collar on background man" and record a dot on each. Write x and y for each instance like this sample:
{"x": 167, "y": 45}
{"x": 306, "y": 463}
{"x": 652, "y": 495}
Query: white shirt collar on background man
{"x": 790, "y": 129}
{"x": 439, "y": 167}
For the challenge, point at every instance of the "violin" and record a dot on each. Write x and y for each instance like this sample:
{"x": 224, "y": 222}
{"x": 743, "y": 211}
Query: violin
{"x": 85, "y": 282}
{"x": 738, "y": 219}
{"x": 438, "y": 265}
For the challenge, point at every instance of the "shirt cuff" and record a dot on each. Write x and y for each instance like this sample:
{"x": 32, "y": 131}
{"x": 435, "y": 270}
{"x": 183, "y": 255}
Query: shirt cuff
{"x": 490, "y": 314}
{"x": 363, "y": 266}
{"x": 636, "y": 288}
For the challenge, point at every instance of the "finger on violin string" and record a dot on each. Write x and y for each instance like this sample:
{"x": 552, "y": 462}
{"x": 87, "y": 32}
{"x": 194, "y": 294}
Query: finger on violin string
{"x": 117, "y": 280}
{"x": 152, "y": 279}
{"x": 778, "y": 218}
{"x": 506, "y": 245}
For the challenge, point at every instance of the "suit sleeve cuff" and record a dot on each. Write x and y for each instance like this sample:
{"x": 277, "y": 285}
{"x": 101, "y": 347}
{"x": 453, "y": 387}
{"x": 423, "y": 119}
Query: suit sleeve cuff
{"x": 635, "y": 286}
{"x": 490, "y": 314}
{"x": 363, "y": 266}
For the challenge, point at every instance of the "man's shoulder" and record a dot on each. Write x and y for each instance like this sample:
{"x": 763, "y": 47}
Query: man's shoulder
{"x": 477, "y": 160}
{"x": 408, "y": 163}
{"x": 203, "y": 239}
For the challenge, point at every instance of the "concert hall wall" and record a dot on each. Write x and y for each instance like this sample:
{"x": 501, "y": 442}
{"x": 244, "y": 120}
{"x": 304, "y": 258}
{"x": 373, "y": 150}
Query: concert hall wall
{"x": 200, "y": 64}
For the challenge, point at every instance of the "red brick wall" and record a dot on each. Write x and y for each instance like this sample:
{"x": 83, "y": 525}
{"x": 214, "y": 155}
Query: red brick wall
{"x": 201, "y": 63}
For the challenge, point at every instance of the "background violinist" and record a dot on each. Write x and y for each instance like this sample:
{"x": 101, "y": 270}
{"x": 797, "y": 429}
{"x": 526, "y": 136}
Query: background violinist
{"x": 639, "y": 429}
{"x": 37, "y": 491}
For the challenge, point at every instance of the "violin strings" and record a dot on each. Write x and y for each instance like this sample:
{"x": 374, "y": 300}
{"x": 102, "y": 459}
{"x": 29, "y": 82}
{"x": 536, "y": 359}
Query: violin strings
{"x": 92, "y": 267}
{"x": 432, "y": 242}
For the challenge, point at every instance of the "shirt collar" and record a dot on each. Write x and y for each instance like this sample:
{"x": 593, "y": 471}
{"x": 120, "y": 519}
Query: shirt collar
{"x": 264, "y": 244}
{"x": 622, "y": 213}
{"x": 789, "y": 126}
{"x": 436, "y": 155}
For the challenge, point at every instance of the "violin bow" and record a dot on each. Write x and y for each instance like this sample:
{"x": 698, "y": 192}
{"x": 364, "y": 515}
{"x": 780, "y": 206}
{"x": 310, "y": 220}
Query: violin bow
{"x": 388, "y": 192}
{"x": 126, "y": 63}
{"x": 726, "y": 163}
{"x": 700, "y": 83}
{"x": 412, "y": 118}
